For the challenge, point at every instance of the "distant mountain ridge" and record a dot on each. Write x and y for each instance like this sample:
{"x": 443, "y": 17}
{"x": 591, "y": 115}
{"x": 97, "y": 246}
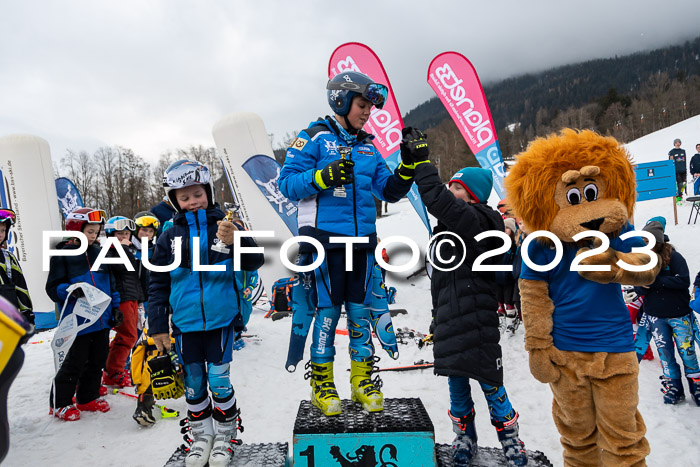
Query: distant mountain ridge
{"x": 518, "y": 99}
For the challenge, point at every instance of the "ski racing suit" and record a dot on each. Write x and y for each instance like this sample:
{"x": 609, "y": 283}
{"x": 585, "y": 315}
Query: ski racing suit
{"x": 347, "y": 211}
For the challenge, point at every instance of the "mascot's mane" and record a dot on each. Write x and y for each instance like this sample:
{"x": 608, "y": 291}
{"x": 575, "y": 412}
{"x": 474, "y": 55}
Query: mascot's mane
{"x": 531, "y": 182}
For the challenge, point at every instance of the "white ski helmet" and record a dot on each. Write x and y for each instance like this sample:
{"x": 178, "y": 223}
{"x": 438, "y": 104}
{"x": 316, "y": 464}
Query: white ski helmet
{"x": 183, "y": 173}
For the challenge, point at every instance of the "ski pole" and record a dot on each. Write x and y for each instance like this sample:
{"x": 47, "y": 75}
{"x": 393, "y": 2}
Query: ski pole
{"x": 165, "y": 412}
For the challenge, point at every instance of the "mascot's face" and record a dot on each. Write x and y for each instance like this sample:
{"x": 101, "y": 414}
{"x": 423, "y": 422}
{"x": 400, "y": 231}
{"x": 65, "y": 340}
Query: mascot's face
{"x": 580, "y": 196}
{"x": 572, "y": 182}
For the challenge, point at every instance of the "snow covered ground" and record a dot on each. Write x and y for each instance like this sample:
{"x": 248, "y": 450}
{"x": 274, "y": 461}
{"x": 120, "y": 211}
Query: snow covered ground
{"x": 269, "y": 396}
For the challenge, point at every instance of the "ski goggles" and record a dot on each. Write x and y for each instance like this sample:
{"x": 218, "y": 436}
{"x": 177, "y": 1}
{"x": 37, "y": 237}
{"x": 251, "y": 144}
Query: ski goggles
{"x": 186, "y": 173}
{"x": 122, "y": 224}
{"x": 376, "y": 93}
{"x": 96, "y": 217}
{"x": 147, "y": 221}
{"x": 14, "y": 331}
{"x": 7, "y": 214}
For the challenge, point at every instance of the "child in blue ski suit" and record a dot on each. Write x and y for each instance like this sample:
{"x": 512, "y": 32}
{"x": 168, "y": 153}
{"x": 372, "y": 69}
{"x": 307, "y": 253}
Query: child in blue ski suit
{"x": 669, "y": 317}
{"x": 334, "y": 170}
{"x": 466, "y": 331}
{"x": 202, "y": 306}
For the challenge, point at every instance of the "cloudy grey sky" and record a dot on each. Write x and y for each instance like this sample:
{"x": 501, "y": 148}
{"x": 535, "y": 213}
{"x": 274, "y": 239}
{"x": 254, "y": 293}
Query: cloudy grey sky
{"x": 156, "y": 75}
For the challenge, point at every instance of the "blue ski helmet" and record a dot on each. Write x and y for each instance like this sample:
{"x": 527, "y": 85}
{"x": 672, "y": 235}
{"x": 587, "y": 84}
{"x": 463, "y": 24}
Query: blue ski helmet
{"x": 348, "y": 84}
{"x": 117, "y": 224}
{"x": 183, "y": 173}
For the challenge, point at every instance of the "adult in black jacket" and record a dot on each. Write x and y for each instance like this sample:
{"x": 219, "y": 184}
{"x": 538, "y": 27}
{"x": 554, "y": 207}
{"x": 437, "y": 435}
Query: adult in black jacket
{"x": 695, "y": 169}
{"x": 677, "y": 155}
{"x": 464, "y": 302}
{"x": 666, "y": 304}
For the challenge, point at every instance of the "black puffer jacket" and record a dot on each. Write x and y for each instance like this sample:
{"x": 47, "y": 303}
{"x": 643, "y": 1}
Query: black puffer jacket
{"x": 464, "y": 302}
{"x": 129, "y": 285}
{"x": 669, "y": 295}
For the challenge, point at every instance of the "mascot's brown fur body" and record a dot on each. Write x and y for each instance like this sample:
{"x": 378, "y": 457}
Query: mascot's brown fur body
{"x": 567, "y": 184}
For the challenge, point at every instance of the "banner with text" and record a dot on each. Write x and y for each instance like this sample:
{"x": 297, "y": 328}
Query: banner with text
{"x": 454, "y": 80}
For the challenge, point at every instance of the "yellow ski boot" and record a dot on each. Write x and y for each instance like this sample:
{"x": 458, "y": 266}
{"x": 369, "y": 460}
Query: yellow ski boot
{"x": 323, "y": 392}
{"x": 365, "y": 390}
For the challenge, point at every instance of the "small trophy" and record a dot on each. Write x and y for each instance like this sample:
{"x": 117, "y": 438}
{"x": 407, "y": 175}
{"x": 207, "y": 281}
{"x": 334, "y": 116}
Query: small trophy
{"x": 339, "y": 191}
{"x": 231, "y": 215}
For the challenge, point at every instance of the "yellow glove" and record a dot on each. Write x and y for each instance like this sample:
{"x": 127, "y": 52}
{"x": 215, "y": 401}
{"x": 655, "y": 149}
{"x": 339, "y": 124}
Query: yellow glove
{"x": 166, "y": 383}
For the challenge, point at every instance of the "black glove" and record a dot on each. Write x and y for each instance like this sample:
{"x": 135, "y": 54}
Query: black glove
{"x": 414, "y": 147}
{"x": 117, "y": 318}
{"x": 431, "y": 328}
{"x": 78, "y": 293}
{"x": 338, "y": 172}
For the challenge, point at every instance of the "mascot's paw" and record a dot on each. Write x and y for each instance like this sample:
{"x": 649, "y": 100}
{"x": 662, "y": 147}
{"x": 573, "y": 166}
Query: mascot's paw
{"x": 543, "y": 364}
{"x": 607, "y": 258}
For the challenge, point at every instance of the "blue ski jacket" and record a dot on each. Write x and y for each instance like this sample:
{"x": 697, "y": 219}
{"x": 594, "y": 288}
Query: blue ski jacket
{"x": 350, "y": 212}
{"x": 67, "y": 270}
{"x": 197, "y": 300}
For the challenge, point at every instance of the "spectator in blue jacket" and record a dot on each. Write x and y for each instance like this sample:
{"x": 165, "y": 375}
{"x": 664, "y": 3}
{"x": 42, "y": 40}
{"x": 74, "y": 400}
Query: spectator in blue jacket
{"x": 81, "y": 371}
{"x": 203, "y": 304}
{"x": 335, "y": 172}
{"x": 666, "y": 304}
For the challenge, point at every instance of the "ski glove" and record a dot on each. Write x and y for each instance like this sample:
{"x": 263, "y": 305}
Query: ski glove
{"x": 337, "y": 173}
{"x": 166, "y": 383}
{"x": 414, "y": 147}
{"x": 117, "y": 318}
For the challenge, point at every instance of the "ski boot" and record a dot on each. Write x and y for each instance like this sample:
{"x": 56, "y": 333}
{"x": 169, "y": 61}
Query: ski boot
{"x": 672, "y": 389}
{"x": 323, "y": 392}
{"x": 143, "y": 415}
{"x": 502, "y": 324}
{"x": 96, "y": 405}
{"x": 120, "y": 379}
{"x": 464, "y": 446}
{"x": 694, "y": 389}
{"x": 68, "y": 413}
{"x": 512, "y": 320}
{"x": 513, "y": 448}
{"x": 200, "y": 428}
{"x": 225, "y": 430}
{"x": 364, "y": 389}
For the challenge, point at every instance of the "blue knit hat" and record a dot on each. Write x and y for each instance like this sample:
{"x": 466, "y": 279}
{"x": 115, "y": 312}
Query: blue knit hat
{"x": 477, "y": 181}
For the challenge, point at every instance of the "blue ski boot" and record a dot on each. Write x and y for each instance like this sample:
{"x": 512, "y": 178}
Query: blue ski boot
{"x": 513, "y": 448}
{"x": 672, "y": 389}
{"x": 694, "y": 389}
{"x": 464, "y": 446}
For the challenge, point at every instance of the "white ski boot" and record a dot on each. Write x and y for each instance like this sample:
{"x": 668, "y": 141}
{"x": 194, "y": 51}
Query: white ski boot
{"x": 201, "y": 432}
{"x": 512, "y": 320}
{"x": 222, "y": 452}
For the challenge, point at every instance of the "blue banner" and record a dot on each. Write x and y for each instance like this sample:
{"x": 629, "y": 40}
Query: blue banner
{"x": 264, "y": 171}
{"x": 491, "y": 158}
{"x": 413, "y": 196}
{"x": 69, "y": 197}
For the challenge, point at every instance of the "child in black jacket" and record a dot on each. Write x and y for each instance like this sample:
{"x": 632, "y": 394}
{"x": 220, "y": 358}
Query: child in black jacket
{"x": 464, "y": 302}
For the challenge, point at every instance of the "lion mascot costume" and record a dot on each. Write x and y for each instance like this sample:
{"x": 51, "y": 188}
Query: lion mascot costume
{"x": 577, "y": 328}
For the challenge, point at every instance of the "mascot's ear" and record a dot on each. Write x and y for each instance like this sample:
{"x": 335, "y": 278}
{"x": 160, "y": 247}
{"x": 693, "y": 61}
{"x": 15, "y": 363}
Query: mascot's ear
{"x": 590, "y": 171}
{"x": 570, "y": 176}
